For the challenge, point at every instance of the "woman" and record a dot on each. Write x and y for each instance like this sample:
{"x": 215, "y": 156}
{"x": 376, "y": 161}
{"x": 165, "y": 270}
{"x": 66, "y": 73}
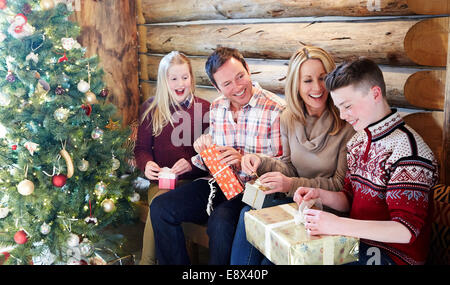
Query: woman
{"x": 313, "y": 137}
{"x": 167, "y": 131}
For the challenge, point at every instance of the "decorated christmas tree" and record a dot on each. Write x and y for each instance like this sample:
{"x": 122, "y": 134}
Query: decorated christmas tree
{"x": 62, "y": 154}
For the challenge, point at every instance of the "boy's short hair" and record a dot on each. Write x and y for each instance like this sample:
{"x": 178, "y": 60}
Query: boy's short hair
{"x": 218, "y": 58}
{"x": 362, "y": 73}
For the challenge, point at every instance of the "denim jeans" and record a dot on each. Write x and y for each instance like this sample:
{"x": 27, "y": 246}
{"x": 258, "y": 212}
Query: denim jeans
{"x": 188, "y": 204}
{"x": 243, "y": 252}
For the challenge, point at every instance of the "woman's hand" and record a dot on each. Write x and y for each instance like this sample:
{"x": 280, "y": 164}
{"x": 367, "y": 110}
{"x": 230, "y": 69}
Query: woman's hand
{"x": 306, "y": 193}
{"x": 202, "y": 143}
{"x": 152, "y": 170}
{"x": 276, "y": 181}
{"x": 318, "y": 222}
{"x": 229, "y": 156}
{"x": 250, "y": 163}
{"x": 181, "y": 166}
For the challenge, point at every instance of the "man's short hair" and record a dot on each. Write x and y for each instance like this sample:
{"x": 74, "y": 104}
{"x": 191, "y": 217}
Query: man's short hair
{"x": 218, "y": 58}
{"x": 362, "y": 73}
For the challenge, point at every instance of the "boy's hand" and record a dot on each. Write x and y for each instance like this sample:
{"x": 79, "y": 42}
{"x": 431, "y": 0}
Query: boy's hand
{"x": 202, "y": 143}
{"x": 229, "y": 156}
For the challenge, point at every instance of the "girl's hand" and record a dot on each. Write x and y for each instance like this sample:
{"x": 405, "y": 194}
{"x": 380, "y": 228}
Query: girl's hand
{"x": 202, "y": 143}
{"x": 181, "y": 166}
{"x": 229, "y": 155}
{"x": 321, "y": 223}
{"x": 250, "y": 163}
{"x": 276, "y": 181}
{"x": 306, "y": 193}
{"x": 152, "y": 170}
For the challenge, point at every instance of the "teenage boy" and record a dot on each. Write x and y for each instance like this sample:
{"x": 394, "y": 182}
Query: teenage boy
{"x": 244, "y": 119}
{"x": 391, "y": 170}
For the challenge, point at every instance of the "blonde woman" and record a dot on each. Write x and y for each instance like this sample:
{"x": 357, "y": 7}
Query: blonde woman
{"x": 313, "y": 138}
{"x": 169, "y": 124}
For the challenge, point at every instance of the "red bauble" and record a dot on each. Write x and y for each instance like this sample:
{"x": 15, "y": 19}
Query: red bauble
{"x": 14, "y": 147}
{"x": 87, "y": 108}
{"x": 59, "y": 180}
{"x": 20, "y": 237}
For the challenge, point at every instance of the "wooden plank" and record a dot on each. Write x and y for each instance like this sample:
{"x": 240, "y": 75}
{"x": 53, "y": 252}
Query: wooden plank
{"x": 381, "y": 41}
{"x": 109, "y": 31}
{"x": 446, "y": 134}
{"x": 430, "y": 127}
{"x": 271, "y": 75}
{"x": 430, "y": 7}
{"x": 426, "y": 89}
{"x": 148, "y": 89}
{"x": 158, "y": 11}
{"x": 426, "y": 42}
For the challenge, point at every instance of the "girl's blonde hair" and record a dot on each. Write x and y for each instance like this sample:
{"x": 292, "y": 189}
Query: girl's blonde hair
{"x": 295, "y": 104}
{"x": 162, "y": 101}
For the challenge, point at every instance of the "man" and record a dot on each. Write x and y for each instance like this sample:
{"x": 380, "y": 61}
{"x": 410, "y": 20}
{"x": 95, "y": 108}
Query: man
{"x": 244, "y": 119}
{"x": 387, "y": 188}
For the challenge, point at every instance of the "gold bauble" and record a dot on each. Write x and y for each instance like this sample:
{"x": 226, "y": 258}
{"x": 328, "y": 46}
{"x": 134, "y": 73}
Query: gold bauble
{"x": 108, "y": 205}
{"x": 91, "y": 98}
{"x": 25, "y": 187}
{"x": 47, "y": 4}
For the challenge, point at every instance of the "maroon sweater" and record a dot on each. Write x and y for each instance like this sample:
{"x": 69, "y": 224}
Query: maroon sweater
{"x": 174, "y": 142}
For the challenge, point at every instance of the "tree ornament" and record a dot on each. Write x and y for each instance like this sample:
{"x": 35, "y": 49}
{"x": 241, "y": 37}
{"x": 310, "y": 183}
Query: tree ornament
{"x": 112, "y": 125}
{"x": 86, "y": 248}
{"x": 135, "y": 197}
{"x": 108, "y": 205}
{"x": 63, "y": 58}
{"x": 61, "y": 114}
{"x": 115, "y": 163}
{"x": 4, "y": 211}
{"x": 97, "y": 133}
{"x": 90, "y": 98}
{"x": 59, "y": 90}
{"x": 87, "y": 109}
{"x": 19, "y": 27}
{"x": 59, "y": 180}
{"x": 104, "y": 93}
{"x": 5, "y": 99}
{"x": 2, "y": 4}
{"x": 14, "y": 147}
{"x": 32, "y": 56}
{"x": 69, "y": 43}
{"x": 10, "y": 77}
{"x": 20, "y": 237}
{"x": 25, "y": 187}
{"x": 83, "y": 86}
{"x": 26, "y": 8}
{"x": 31, "y": 147}
{"x": 69, "y": 163}
{"x": 45, "y": 228}
{"x": 73, "y": 240}
{"x": 83, "y": 165}
{"x": 47, "y": 4}
{"x": 100, "y": 188}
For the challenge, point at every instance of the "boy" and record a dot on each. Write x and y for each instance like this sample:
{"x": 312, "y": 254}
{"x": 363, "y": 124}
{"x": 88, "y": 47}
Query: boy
{"x": 391, "y": 171}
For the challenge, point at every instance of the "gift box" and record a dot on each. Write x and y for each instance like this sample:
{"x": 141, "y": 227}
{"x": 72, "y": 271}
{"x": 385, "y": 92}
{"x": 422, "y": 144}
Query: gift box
{"x": 167, "y": 179}
{"x": 225, "y": 177}
{"x": 255, "y": 196}
{"x": 273, "y": 231}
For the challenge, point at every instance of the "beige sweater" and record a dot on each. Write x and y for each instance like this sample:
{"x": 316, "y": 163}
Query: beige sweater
{"x": 310, "y": 154}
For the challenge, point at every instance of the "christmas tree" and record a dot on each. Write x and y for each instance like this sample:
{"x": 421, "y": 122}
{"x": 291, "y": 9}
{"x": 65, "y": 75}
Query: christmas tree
{"x": 62, "y": 155}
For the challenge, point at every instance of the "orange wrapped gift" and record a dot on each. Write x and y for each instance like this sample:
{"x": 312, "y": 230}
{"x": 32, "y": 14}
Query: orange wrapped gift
{"x": 228, "y": 182}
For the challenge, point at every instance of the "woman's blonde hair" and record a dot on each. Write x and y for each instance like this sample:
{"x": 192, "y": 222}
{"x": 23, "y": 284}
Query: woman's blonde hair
{"x": 295, "y": 104}
{"x": 162, "y": 101}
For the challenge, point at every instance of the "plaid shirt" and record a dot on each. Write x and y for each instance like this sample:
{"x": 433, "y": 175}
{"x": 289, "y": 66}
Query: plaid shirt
{"x": 257, "y": 129}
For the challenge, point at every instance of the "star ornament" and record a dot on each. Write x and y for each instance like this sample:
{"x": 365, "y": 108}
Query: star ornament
{"x": 112, "y": 125}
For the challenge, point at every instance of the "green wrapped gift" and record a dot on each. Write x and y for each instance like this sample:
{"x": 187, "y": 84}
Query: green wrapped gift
{"x": 273, "y": 232}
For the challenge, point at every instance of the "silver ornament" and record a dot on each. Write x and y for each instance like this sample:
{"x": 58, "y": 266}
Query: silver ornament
{"x": 100, "y": 188}
{"x": 4, "y": 212}
{"x": 61, "y": 114}
{"x": 73, "y": 240}
{"x": 115, "y": 164}
{"x": 83, "y": 86}
{"x": 83, "y": 165}
{"x": 135, "y": 197}
{"x": 45, "y": 229}
{"x": 97, "y": 133}
{"x": 86, "y": 247}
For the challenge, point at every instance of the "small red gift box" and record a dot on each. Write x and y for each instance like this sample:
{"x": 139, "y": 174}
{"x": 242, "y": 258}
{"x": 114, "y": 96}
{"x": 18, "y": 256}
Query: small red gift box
{"x": 167, "y": 179}
{"x": 222, "y": 173}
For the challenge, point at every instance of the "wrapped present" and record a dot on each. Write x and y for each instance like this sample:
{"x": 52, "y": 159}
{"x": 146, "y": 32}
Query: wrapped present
{"x": 227, "y": 180}
{"x": 255, "y": 196}
{"x": 167, "y": 179}
{"x": 273, "y": 231}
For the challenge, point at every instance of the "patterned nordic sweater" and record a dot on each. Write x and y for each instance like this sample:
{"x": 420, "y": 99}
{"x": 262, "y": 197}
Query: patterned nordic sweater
{"x": 391, "y": 171}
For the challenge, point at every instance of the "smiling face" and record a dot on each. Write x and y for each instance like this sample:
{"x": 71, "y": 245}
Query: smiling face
{"x": 179, "y": 81}
{"x": 312, "y": 86}
{"x": 234, "y": 82}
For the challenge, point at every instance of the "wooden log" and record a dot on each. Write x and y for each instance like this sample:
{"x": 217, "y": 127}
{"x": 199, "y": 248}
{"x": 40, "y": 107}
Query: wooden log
{"x": 435, "y": 7}
{"x": 108, "y": 29}
{"x": 426, "y": 89}
{"x": 430, "y": 127}
{"x": 381, "y": 41}
{"x": 426, "y": 42}
{"x": 446, "y": 134}
{"x": 157, "y": 11}
{"x": 271, "y": 75}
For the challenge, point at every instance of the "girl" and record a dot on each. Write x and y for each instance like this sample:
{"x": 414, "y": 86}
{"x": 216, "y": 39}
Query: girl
{"x": 313, "y": 137}
{"x": 168, "y": 125}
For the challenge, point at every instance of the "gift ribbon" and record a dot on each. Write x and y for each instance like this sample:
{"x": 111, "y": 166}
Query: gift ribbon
{"x": 212, "y": 193}
{"x": 328, "y": 242}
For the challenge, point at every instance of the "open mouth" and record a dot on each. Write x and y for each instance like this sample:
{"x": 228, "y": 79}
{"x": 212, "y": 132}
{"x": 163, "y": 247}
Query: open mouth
{"x": 240, "y": 93}
{"x": 353, "y": 122}
{"x": 316, "y": 96}
{"x": 179, "y": 92}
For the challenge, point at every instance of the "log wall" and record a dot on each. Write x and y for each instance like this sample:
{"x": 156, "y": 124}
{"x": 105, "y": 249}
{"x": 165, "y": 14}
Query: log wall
{"x": 408, "y": 38}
